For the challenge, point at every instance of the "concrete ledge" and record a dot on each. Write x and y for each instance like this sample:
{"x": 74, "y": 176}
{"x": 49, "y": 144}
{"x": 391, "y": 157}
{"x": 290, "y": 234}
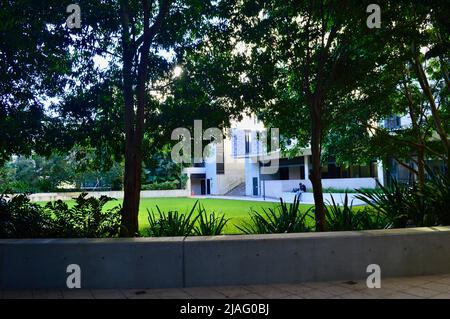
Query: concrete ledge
{"x": 224, "y": 260}
{"x": 105, "y": 263}
{"x": 294, "y": 258}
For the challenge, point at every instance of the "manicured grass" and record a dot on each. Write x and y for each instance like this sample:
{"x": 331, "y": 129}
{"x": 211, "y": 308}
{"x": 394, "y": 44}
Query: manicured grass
{"x": 236, "y": 210}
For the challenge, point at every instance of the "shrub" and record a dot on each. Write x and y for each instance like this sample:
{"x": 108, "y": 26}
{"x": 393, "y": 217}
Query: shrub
{"x": 19, "y": 218}
{"x": 345, "y": 217}
{"x": 171, "y": 224}
{"x": 169, "y": 185}
{"x": 372, "y": 220}
{"x": 209, "y": 224}
{"x": 404, "y": 205}
{"x": 437, "y": 193}
{"x": 341, "y": 217}
{"x": 286, "y": 218}
{"x": 174, "y": 223}
{"x": 87, "y": 218}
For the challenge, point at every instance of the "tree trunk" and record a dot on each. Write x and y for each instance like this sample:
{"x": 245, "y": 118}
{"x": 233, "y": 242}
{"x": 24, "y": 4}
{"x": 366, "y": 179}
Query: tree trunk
{"x": 421, "y": 168}
{"x": 414, "y": 114}
{"x": 426, "y": 89}
{"x": 316, "y": 172}
{"x": 133, "y": 157}
{"x": 132, "y": 187}
{"x": 132, "y": 154}
{"x": 135, "y": 118}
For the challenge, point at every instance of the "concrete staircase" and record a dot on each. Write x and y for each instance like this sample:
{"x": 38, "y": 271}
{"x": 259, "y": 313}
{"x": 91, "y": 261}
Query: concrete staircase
{"x": 237, "y": 191}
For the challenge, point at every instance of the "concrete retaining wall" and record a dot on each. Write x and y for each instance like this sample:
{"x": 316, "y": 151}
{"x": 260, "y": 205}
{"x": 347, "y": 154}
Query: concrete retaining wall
{"x": 224, "y": 260}
{"x": 104, "y": 263}
{"x": 47, "y": 197}
{"x": 339, "y": 198}
{"x": 276, "y": 188}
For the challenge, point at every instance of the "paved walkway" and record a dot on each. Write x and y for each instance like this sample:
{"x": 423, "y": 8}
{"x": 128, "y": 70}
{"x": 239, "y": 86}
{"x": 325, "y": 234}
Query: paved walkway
{"x": 436, "y": 287}
{"x": 246, "y": 198}
{"x": 339, "y": 198}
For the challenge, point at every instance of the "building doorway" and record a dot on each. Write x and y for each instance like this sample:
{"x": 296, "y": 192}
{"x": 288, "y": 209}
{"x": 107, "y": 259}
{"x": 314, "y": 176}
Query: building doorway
{"x": 255, "y": 186}
{"x": 208, "y": 187}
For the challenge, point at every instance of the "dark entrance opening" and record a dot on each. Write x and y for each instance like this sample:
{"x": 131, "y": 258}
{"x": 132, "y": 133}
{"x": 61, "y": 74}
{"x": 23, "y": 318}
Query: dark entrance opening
{"x": 208, "y": 187}
{"x": 203, "y": 187}
{"x": 255, "y": 186}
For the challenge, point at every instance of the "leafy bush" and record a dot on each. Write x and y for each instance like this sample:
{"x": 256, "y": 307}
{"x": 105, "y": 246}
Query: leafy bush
{"x": 209, "y": 224}
{"x": 341, "y": 217}
{"x": 174, "y": 223}
{"x": 38, "y": 174}
{"x": 437, "y": 193}
{"x": 345, "y": 217}
{"x": 19, "y": 218}
{"x": 169, "y": 185}
{"x": 285, "y": 218}
{"x": 390, "y": 202}
{"x": 86, "y": 219}
{"x": 370, "y": 219}
{"x": 404, "y": 205}
{"x": 171, "y": 224}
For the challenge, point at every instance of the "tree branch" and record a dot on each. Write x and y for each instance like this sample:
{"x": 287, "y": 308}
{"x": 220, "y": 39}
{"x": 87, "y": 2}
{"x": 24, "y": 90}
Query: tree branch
{"x": 423, "y": 81}
{"x": 153, "y": 30}
{"x": 414, "y": 171}
{"x": 404, "y": 142}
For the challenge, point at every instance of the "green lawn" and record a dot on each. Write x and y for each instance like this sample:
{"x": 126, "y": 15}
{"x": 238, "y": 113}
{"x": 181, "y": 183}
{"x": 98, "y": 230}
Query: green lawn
{"x": 236, "y": 210}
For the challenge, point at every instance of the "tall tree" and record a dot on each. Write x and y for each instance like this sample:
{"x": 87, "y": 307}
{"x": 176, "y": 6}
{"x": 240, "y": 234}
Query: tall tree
{"x": 302, "y": 58}
{"x": 412, "y": 82}
{"x": 34, "y": 67}
{"x": 429, "y": 42}
{"x": 147, "y": 26}
{"x": 136, "y": 100}
{"x": 140, "y": 34}
{"x": 112, "y": 107}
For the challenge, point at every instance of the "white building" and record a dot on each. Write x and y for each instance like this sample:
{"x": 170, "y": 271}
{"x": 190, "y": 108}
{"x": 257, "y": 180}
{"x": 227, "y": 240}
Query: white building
{"x": 223, "y": 168}
{"x": 238, "y": 168}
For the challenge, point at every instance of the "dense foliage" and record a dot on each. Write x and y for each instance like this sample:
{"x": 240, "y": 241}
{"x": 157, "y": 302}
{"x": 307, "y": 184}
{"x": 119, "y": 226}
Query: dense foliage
{"x": 74, "y": 171}
{"x": 209, "y": 224}
{"x": 196, "y": 222}
{"x": 38, "y": 174}
{"x": 88, "y": 217}
{"x": 163, "y": 185}
{"x": 285, "y": 218}
{"x": 347, "y": 217}
{"x": 172, "y": 223}
{"x": 410, "y": 205}
{"x": 19, "y": 218}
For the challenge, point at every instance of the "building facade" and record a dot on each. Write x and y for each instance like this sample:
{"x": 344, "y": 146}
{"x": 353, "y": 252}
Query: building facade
{"x": 223, "y": 168}
{"x": 242, "y": 166}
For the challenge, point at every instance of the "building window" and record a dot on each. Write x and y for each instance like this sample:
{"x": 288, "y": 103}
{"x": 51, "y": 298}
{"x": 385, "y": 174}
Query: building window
{"x": 247, "y": 142}
{"x": 284, "y": 173}
{"x": 302, "y": 171}
{"x": 392, "y": 122}
{"x": 220, "y": 159}
{"x": 258, "y": 142}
